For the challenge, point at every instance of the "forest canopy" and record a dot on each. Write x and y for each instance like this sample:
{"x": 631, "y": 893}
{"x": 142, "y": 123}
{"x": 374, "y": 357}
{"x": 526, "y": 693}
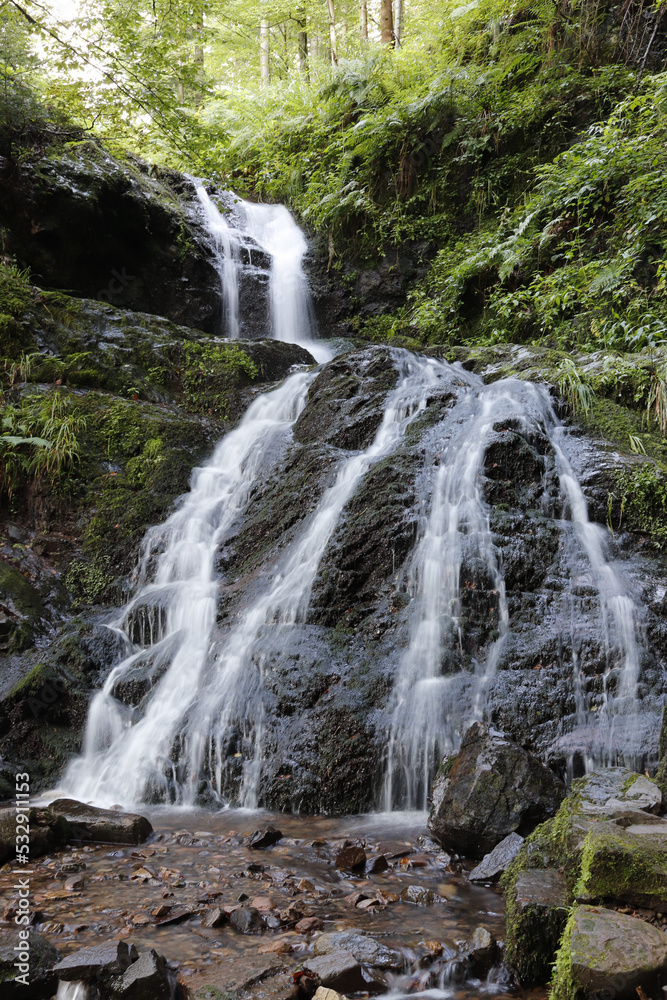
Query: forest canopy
{"x": 519, "y": 147}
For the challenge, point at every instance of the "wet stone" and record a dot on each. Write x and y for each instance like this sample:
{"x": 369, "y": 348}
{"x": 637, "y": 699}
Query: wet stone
{"x": 102, "y": 825}
{"x": 351, "y": 858}
{"x": 494, "y": 864}
{"x": 215, "y": 917}
{"x": 262, "y": 839}
{"x": 42, "y": 958}
{"x": 377, "y": 864}
{"x": 246, "y": 920}
{"x": 363, "y": 947}
{"x": 339, "y": 970}
{"x": 88, "y": 963}
{"x": 308, "y": 925}
{"x": 610, "y": 951}
{"x": 146, "y": 979}
{"x": 421, "y": 896}
{"x": 482, "y": 951}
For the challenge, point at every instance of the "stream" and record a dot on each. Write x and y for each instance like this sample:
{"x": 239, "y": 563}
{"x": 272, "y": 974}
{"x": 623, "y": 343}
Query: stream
{"x": 197, "y": 859}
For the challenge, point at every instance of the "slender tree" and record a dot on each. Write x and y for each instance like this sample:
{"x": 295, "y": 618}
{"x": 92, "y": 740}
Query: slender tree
{"x": 398, "y": 22}
{"x": 303, "y": 43}
{"x": 363, "y": 20}
{"x": 386, "y": 22}
{"x": 332, "y": 31}
{"x": 264, "y": 52}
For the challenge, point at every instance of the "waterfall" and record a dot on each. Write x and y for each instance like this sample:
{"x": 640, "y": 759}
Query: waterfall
{"x": 127, "y": 749}
{"x": 246, "y": 227}
{"x": 198, "y": 701}
{"x": 227, "y": 241}
{"x": 433, "y": 701}
{"x": 233, "y": 685}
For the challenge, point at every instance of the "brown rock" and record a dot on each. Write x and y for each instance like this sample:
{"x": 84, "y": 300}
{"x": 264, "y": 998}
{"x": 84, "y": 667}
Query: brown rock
{"x": 74, "y": 882}
{"x": 308, "y": 924}
{"x": 215, "y": 917}
{"x": 350, "y": 858}
{"x": 263, "y": 903}
{"x": 377, "y": 864}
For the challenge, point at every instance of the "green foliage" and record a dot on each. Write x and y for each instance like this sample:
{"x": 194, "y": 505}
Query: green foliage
{"x": 15, "y": 297}
{"x": 87, "y": 582}
{"x": 573, "y": 388}
{"x": 643, "y": 493}
{"x": 40, "y": 440}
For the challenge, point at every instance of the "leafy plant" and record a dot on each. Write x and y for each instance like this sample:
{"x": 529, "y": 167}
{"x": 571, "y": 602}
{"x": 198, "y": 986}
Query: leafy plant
{"x": 40, "y": 440}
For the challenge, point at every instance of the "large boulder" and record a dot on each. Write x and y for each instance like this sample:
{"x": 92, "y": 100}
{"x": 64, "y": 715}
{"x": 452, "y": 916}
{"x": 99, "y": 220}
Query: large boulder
{"x": 628, "y": 865}
{"x": 492, "y": 787}
{"x": 100, "y": 226}
{"x": 363, "y": 947}
{"x": 607, "y": 953}
{"x": 107, "y": 826}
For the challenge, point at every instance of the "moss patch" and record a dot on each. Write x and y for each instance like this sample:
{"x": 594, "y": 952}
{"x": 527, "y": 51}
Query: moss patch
{"x": 624, "y": 867}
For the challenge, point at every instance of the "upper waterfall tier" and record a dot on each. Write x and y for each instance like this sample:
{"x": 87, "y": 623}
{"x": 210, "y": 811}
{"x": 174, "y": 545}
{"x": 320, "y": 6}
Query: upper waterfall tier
{"x": 260, "y": 252}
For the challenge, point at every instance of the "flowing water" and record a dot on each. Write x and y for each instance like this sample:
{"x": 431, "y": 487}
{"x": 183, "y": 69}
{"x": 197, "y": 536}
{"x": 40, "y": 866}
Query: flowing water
{"x": 242, "y": 228}
{"x": 156, "y": 896}
{"x": 127, "y": 749}
{"x": 433, "y": 703}
{"x": 183, "y": 714}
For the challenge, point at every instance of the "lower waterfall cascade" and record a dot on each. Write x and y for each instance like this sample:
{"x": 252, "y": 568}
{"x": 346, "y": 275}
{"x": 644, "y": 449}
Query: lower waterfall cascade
{"x": 184, "y": 716}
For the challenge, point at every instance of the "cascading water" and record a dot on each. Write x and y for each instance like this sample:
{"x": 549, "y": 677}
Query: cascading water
{"x": 232, "y": 708}
{"x": 127, "y": 750}
{"x": 210, "y": 704}
{"x": 246, "y": 227}
{"x": 227, "y": 242}
{"x": 434, "y": 701}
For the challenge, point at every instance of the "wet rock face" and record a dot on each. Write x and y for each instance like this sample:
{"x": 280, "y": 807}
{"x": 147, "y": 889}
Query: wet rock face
{"x": 99, "y": 227}
{"x": 490, "y": 789}
{"x": 345, "y": 401}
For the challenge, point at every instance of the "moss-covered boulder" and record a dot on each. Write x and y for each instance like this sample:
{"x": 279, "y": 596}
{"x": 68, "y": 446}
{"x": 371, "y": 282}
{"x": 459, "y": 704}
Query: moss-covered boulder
{"x": 606, "y": 844}
{"x": 626, "y": 865}
{"x": 606, "y": 953}
{"x": 41, "y": 958}
{"x": 537, "y": 910}
{"x": 491, "y": 788}
{"x": 48, "y": 831}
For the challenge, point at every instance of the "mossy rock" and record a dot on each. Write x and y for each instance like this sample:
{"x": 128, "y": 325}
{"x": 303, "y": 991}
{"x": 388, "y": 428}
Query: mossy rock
{"x": 537, "y": 908}
{"x": 626, "y": 867}
{"x": 605, "y": 953}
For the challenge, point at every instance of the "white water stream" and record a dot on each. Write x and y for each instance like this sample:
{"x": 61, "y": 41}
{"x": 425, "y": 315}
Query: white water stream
{"x": 433, "y": 705}
{"x": 195, "y": 715}
{"x": 126, "y": 754}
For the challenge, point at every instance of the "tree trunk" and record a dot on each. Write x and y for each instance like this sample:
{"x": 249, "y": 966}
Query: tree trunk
{"x": 386, "y": 22}
{"x": 264, "y": 52}
{"x": 199, "y": 57}
{"x": 332, "y": 32}
{"x": 303, "y": 44}
{"x": 398, "y": 23}
{"x": 363, "y": 20}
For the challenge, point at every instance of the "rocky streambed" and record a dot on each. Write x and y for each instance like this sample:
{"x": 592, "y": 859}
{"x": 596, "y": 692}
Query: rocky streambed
{"x": 237, "y": 913}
